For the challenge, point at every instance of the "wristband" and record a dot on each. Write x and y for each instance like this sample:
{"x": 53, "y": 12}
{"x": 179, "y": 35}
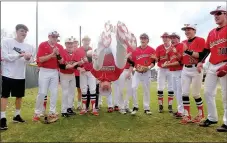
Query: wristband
{"x": 59, "y": 57}
{"x": 188, "y": 52}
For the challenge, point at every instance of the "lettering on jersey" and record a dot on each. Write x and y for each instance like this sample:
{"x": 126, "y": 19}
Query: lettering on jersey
{"x": 222, "y": 51}
{"x": 192, "y": 60}
{"x": 108, "y": 68}
{"x": 217, "y": 42}
{"x": 70, "y": 62}
{"x": 142, "y": 56}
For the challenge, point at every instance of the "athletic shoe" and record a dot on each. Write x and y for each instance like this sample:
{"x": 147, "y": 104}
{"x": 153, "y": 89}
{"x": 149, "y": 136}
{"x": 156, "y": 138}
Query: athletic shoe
{"x": 122, "y": 111}
{"x": 134, "y": 110}
{"x": 70, "y": 111}
{"x": 160, "y": 108}
{"x": 78, "y": 108}
{"x": 18, "y": 119}
{"x": 123, "y": 34}
{"x": 53, "y": 117}
{"x": 65, "y": 115}
{"x": 197, "y": 119}
{"x": 110, "y": 110}
{"x": 186, "y": 119}
{"x": 207, "y": 123}
{"x": 128, "y": 110}
{"x": 170, "y": 107}
{"x": 148, "y": 112}
{"x": 36, "y": 118}
{"x": 223, "y": 128}
{"x": 95, "y": 112}
{"x": 178, "y": 115}
{"x": 82, "y": 112}
{"x": 3, "y": 124}
{"x": 116, "y": 108}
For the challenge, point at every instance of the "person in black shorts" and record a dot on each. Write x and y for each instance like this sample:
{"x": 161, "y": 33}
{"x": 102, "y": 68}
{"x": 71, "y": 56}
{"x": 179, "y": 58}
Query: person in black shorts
{"x": 97, "y": 97}
{"x": 14, "y": 54}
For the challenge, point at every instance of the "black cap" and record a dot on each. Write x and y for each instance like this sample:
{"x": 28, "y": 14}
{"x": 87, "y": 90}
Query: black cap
{"x": 144, "y": 35}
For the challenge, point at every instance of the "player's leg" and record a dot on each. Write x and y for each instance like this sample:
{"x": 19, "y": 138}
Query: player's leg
{"x": 84, "y": 90}
{"x": 135, "y": 83}
{"x": 196, "y": 86}
{"x": 97, "y": 96}
{"x": 43, "y": 84}
{"x": 223, "y": 82}
{"x": 72, "y": 84}
{"x": 129, "y": 94}
{"x": 110, "y": 103}
{"x": 53, "y": 94}
{"x": 65, "y": 92}
{"x": 185, "y": 83}
{"x": 178, "y": 93}
{"x": 78, "y": 92}
{"x": 161, "y": 79}
{"x": 146, "y": 97}
{"x": 170, "y": 91}
{"x": 121, "y": 84}
{"x": 92, "y": 87}
{"x": 116, "y": 95}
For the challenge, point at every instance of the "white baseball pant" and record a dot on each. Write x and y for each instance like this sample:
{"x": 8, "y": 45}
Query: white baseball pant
{"x": 210, "y": 90}
{"x": 87, "y": 79}
{"x": 144, "y": 79}
{"x": 178, "y": 90}
{"x": 115, "y": 94}
{"x": 48, "y": 79}
{"x": 109, "y": 100}
{"x": 68, "y": 84}
{"x": 163, "y": 75}
{"x": 122, "y": 82}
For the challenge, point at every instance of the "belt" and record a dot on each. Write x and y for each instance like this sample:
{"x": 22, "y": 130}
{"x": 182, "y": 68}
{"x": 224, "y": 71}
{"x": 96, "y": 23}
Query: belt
{"x": 190, "y": 66}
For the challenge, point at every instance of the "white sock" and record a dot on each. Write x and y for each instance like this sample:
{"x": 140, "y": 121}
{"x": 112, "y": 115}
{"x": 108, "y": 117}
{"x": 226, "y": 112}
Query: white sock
{"x": 3, "y": 115}
{"x": 17, "y": 112}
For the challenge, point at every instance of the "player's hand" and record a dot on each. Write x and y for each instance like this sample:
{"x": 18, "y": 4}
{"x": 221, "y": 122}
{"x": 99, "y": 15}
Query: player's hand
{"x": 165, "y": 65}
{"x": 82, "y": 70}
{"x": 199, "y": 67}
{"x": 55, "y": 51}
{"x": 128, "y": 55}
{"x": 128, "y": 76}
{"x": 27, "y": 56}
{"x": 153, "y": 56}
{"x": 21, "y": 55}
{"x": 222, "y": 71}
{"x": 69, "y": 66}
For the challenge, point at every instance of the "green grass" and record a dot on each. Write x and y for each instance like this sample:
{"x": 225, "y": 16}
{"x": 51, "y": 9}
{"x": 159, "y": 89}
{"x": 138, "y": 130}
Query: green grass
{"x": 110, "y": 127}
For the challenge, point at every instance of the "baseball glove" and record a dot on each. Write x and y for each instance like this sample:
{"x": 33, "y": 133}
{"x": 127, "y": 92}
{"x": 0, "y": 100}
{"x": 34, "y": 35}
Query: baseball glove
{"x": 222, "y": 71}
{"x": 141, "y": 69}
{"x": 48, "y": 119}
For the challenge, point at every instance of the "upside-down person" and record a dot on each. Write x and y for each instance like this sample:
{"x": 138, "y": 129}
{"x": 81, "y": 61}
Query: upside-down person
{"x": 110, "y": 57}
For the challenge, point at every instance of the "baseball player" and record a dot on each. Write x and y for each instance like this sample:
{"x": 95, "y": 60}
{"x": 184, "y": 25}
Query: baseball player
{"x": 216, "y": 46}
{"x": 143, "y": 62}
{"x": 191, "y": 76}
{"x": 47, "y": 59}
{"x": 86, "y": 78}
{"x": 164, "y": 73}
{"x": 67, "y": 78}
{"x": 126, "y": 80}
{"x": 175, "y": 54}
{"x": 15, "y": 54}
{"x": 77, "y": 77}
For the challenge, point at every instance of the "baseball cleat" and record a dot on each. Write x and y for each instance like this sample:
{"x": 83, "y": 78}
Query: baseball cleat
{"x": 223, "y": 128}
{"x": 134, "y": 110}
{"x": 123, "y": 34}
{"x": 178, "y": 115}
{"x": 82, "y": 112}
{"x": 70, "y": 111}
{"x": 3, "y": 124}
{"x": 18, "y": 119}
{"x": 148, "y": 112}
{"x": 116, "y": 108}
{"x": 110, "y": 110}
{"x": 128, "y": 110}
{"x": 197, "y": 119}
{"x": 185, "y": 120}
{"x": 122, "y": 111}
{"x": 207, "y": 123}
{"x": 160, "y": 110}
{"x": 106, "y": 39}
{"x": 95, "y": 112}
{"x": 36, "y": 118}
{"x": 170, "y": 107}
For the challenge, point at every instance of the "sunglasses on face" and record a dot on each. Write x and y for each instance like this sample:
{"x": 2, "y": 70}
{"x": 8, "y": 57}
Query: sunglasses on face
{"x": 54, "y": 37}
{"x": 218, "y": 13}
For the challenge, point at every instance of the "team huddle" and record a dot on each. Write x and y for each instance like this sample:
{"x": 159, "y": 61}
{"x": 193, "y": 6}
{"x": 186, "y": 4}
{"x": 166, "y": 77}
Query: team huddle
{"x": 117, "y": 62}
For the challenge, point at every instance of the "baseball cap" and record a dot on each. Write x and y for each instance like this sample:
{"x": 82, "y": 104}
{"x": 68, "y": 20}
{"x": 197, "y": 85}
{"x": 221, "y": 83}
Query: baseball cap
{"x": 165, "y": 34}
{"x": 86, "y": 38}
{"x": 174, "y": 34}
{"x": 69, "y": 40}
{"x": 53, "y": 33}
{"x": 192, "y": 26}
{"x": 75, "y": 40}
{"x": 221, "y": 8}
{"x": 144, "y": 35}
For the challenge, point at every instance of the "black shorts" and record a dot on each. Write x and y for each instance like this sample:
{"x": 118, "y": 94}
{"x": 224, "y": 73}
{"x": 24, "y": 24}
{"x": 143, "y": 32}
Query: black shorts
{"x": 77, "y": 81}
{"x": 13, "y": 87}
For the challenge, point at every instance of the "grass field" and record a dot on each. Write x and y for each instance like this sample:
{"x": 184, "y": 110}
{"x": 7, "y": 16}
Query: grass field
{"x": 110, "y": 127}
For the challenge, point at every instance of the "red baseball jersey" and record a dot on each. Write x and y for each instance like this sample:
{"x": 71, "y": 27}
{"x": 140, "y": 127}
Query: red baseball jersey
{"x": 175, "y": 54}
{"x": 68, "y": 58}
{"x": 217, "y": 43}
{"x": 109, "y": 71}
{"x": 196, "y": 45}
{"x": 44, "y": 50}
{"x": 161, "y": 55}
{"x": 143, "y": 56}
{"x": 129, "y": 49}
{"x": 81, "y": 53}
{"x": 76, "y": 72}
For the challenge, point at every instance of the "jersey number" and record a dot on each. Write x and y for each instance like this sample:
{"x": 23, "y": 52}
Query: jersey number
{"x": 222, "y": 51}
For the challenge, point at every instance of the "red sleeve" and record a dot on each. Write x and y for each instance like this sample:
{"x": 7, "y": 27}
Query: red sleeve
{"x": 134, "y": 56}
{"x": 201, "y": 44}
{"x": 157, "y": 52}
{"x": 207, "y": 45}
{"x": 41, "y": 51}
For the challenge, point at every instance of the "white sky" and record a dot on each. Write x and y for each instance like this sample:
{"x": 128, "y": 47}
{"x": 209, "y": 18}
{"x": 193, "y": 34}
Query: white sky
{"x": 153, "y": 18}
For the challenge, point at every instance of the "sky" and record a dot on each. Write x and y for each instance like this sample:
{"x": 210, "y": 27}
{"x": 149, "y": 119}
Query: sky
{"x": 153, "y": 18}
